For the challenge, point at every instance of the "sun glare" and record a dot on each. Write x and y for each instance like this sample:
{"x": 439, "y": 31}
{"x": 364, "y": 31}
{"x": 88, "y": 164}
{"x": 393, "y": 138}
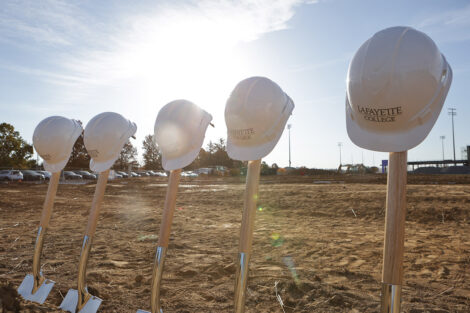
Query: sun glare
{"x": 183, "y": 57}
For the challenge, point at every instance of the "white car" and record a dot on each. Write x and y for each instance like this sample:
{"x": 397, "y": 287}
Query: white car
{"x": 46, "y": 174}
{"x": 189, "y": 174}
{"x": 11, "y": 175}
{"x": 161, "y": 174}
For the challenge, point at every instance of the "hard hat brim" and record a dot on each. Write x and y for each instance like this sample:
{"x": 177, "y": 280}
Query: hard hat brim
{"x": 251, "y": 153}
{"x": 56, "y": 167}
{"x": 183, "y": 161}
{"x": 386, "y": 142}
{"x": 102, "y": 166}
{"x": 396, "y": 141}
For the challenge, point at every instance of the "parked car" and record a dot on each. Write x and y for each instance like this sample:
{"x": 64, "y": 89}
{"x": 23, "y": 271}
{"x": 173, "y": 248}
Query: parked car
{"x": 161, "y": 174}
{"x": 189, "y": 174}
{"x": 143, "y": 173}
{"x": 86, "y": 174}
{"x": 71, "y": 175}
{"x": 204, "y": 171}
{"x": 133, "y": 174}
{"x": 32, "y": 175}
{"x": 47, "y": 175}
{"x": 11, "y": 175}
{"x": 123, "y": 174}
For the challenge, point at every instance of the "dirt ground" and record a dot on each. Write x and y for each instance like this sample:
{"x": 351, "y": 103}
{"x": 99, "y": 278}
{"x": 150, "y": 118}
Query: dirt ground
{"x": 317, "y": 244}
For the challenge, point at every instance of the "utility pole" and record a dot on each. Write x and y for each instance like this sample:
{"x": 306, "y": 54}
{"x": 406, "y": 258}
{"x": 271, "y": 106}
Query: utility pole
{"x": 452, "y": 113}
{"x": 442, "y": 139}
{"x": 289, "y": 126}
{"x": 340, "y": 144}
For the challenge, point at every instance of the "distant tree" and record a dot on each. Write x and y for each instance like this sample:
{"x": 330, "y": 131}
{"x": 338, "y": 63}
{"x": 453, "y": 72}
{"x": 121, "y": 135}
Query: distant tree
{"x": 152, "y": 157}
{"x": 126, "y": 157}
{"x": 214, "y": 154}
{"x": 275, "y": 166}
{"x": 200, "y": 161}
{"x": 14, "y": 150}
{"x": 79, "y": 157}
{"x": 267, "y": 170}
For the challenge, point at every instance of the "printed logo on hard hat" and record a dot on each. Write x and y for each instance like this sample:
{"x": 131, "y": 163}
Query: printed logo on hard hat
{"x": 46, "y": 157}
{"x": 242, "y": 134}
{"x": 380, "y": 115}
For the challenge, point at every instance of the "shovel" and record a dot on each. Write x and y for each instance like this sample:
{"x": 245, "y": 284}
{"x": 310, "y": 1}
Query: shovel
{"x": 163, "y": 240}
{"x": 246, "y": 233}
{"x": 35, "y": 287}
{"x": 81, "y": 300}
{"x": 392, "y": 272}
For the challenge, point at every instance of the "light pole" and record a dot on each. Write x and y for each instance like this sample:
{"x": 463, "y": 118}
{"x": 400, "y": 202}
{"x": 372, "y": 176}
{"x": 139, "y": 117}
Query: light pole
{"x": 452, "y": 113}
{"x": 340, "y": 144}
{"x": 442, "y": 139}
{"x": 289, "y": 126}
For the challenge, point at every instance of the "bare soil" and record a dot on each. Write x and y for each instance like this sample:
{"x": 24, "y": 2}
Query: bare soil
{"x": 317, "y": 244}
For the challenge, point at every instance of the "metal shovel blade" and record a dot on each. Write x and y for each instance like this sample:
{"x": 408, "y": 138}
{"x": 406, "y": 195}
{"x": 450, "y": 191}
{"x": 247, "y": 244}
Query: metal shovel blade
{"x": 26, "y": 289}
{"x": 71, "y": 299}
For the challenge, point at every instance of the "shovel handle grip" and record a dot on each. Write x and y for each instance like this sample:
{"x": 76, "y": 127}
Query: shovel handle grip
{"x": 169, "y": 208}
{"x": 49, "y": 201}
{"x": 392, "y": 272}
{"x": 96, "y": 204}
{"x": 249, "y": 211}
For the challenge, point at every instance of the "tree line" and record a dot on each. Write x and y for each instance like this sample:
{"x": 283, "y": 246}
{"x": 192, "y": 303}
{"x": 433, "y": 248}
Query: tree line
{"x": 15, "y": 152}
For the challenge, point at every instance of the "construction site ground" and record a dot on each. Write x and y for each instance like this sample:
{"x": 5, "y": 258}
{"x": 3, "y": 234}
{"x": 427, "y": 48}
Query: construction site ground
{"x": 318, "y": 244}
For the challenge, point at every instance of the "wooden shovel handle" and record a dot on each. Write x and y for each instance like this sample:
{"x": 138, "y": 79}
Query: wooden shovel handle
{"x": 392, "y": 272}
{"x": 169, "y": 208}
{"x": 96, "y": 204}
{"x": 49, "y": 202}
{"x": 249, "y": 211}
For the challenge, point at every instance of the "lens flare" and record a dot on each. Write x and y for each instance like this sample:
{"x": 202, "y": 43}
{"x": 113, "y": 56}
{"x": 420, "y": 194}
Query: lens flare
{"x": 276, "y": 240}
{"x": 289, "y": 262}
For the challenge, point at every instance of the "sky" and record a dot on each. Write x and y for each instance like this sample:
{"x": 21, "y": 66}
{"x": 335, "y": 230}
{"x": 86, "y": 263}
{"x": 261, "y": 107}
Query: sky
{"x": 80, "y": 58}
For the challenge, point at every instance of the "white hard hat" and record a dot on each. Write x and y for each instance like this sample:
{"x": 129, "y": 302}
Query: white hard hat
{"x": 179, "y": 133}
{"x": 53, "y": 140}
{"x": 396, "y": 86}
{"x": 104, "y": 137}
{"x": 256, "y": 114}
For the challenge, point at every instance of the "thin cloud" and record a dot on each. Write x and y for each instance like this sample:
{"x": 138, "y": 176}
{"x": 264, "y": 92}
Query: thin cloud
{"x": 448, "y": 26}
{"x": 325, "y": 64}
{"x": 87, "y": 51}
{"x": 181, "y": 34}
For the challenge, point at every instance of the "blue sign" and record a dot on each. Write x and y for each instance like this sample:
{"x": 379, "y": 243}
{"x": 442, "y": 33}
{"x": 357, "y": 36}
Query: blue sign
{"x": 384, "y": 166}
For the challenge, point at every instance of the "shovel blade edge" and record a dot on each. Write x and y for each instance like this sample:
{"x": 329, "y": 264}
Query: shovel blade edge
{"x": 26, "y": 289}
{"x": 71, "y": 299}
